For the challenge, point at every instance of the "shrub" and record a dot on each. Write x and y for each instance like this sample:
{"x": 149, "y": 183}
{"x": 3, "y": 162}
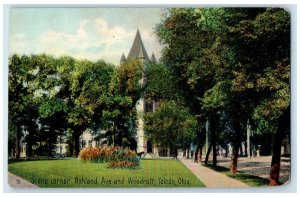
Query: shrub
{"x": 116, "y": 157}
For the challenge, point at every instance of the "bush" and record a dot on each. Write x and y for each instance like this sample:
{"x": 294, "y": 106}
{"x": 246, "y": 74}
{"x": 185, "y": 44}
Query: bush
{"x": 116, "y": 157}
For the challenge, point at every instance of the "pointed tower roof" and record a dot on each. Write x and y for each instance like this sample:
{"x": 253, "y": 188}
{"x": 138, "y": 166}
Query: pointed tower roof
{"x": 153, "y": 59}
{"x": 137, "y": 49}
{"x": 123, "y": 59}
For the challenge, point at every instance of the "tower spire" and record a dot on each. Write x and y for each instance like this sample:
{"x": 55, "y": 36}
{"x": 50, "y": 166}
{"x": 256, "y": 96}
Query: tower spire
{"x": 138, "y": 50}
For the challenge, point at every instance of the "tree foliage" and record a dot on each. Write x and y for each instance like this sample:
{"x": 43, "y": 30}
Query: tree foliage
{"x": 231, "y": 61}
{"x": 170, "y": 126}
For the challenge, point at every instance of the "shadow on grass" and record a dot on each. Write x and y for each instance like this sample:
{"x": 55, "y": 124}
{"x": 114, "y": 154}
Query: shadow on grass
{"x": 159, "y": 158}
{"x": 10, "y": 161}
{"x": 254, "y": 181}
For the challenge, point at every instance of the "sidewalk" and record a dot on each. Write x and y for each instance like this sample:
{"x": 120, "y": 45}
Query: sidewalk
{"x": 17, "y": 182}
{"x": 210, "y": 177}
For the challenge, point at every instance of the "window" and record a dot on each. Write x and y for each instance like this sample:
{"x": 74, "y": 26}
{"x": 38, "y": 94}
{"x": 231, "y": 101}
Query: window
{"x": 83, "y": 143}
{"x": 90, "y": 143}
{"x": 149, "y": 106}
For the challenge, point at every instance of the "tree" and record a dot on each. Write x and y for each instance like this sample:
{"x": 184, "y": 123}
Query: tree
{"x": 52, "y": 113}
{"x": 224, "y": 64}
{"x": 90, "y": 91}
{"x": 189, "y": 37}
{"x": 160, "y": 84}
{"x": 170, "y": 126}
{"x": 51, "y": 107}
{"x": 22, "y": 108}
{"x": 125, "y": 89}
{"x": 261, "y": 44}
{"x": 160, "y": 87}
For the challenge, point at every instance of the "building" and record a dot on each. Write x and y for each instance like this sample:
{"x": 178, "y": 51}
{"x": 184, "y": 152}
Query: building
{"x": 137, "y": 51}
{"x": 90, "y": 139}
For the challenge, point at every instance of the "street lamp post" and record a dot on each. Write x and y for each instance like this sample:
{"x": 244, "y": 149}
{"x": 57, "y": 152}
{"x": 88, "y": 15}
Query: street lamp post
{"x": 248, "y": 139}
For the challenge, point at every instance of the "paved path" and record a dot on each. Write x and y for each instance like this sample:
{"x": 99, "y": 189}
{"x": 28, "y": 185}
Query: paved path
{"x": 259, "y": 166}
{"x": 210, "y": 177}
{"x": 18, "y": 182}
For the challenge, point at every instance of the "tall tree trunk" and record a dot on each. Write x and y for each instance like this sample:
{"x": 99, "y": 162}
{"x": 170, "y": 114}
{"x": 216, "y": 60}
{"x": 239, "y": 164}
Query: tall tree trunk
{"x": 214, "y": 154}
{"x": 188, "y": 153}
{"x": 175, "y": 153}
{"x": 235, "y": 156}
{"x": 200, "y": 142}
{"x": 14, "y": 151}
{"x": 71, "y": 147}
{"x": 184, "y": 152}
{"x": 9, "y": 150}
{"x": 214, "y": 146}
{"x": 200, "y": 155}
{"x": 29, "y": 145}
{"x": 275, "y": 164}
{"x": 283, "y": 126}
{"x": 197, "y": 153}
{"x": 76, "y": 144}
{"x": 50, "y": 146}
{"x": 213, "y": 137}
{"x": 236, "y": 146}
{"x": 29, "y": 149}
{"x": 18, "y": 146}
{"x": 49, "y": 149}
{"x": 207, "y": 154}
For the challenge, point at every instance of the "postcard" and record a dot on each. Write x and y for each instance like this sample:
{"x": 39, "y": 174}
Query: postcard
{"x": 149, "y": 97}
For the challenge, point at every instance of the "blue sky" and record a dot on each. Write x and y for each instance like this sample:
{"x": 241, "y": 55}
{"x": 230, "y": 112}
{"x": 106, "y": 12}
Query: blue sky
{"x": 84, "y": 33}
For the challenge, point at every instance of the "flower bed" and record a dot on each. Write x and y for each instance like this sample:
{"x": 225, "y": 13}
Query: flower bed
{"x": 116, "y": 157}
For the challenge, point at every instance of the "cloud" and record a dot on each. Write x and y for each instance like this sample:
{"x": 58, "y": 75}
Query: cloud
{"x": 94, "y": 39}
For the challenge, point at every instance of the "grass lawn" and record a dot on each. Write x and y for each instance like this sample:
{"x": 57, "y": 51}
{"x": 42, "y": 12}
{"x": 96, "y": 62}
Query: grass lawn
{"x": 254, "y": 181}
{"x": 74, "y": 173}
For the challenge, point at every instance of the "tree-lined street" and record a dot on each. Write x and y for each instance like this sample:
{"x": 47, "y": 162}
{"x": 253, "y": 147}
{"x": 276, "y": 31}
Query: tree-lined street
{"x": 221, "y": 87}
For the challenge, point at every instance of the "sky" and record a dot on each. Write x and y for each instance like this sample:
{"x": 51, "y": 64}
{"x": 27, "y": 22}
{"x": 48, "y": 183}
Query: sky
{"x": 83, "y": 33}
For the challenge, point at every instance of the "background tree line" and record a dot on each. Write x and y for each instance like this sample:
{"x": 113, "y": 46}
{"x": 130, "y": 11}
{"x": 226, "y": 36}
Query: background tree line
{"x": 53, "y": 97}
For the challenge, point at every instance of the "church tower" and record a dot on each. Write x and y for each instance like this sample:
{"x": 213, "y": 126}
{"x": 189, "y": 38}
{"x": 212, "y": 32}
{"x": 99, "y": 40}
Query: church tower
{"x": 138, "y": 51}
